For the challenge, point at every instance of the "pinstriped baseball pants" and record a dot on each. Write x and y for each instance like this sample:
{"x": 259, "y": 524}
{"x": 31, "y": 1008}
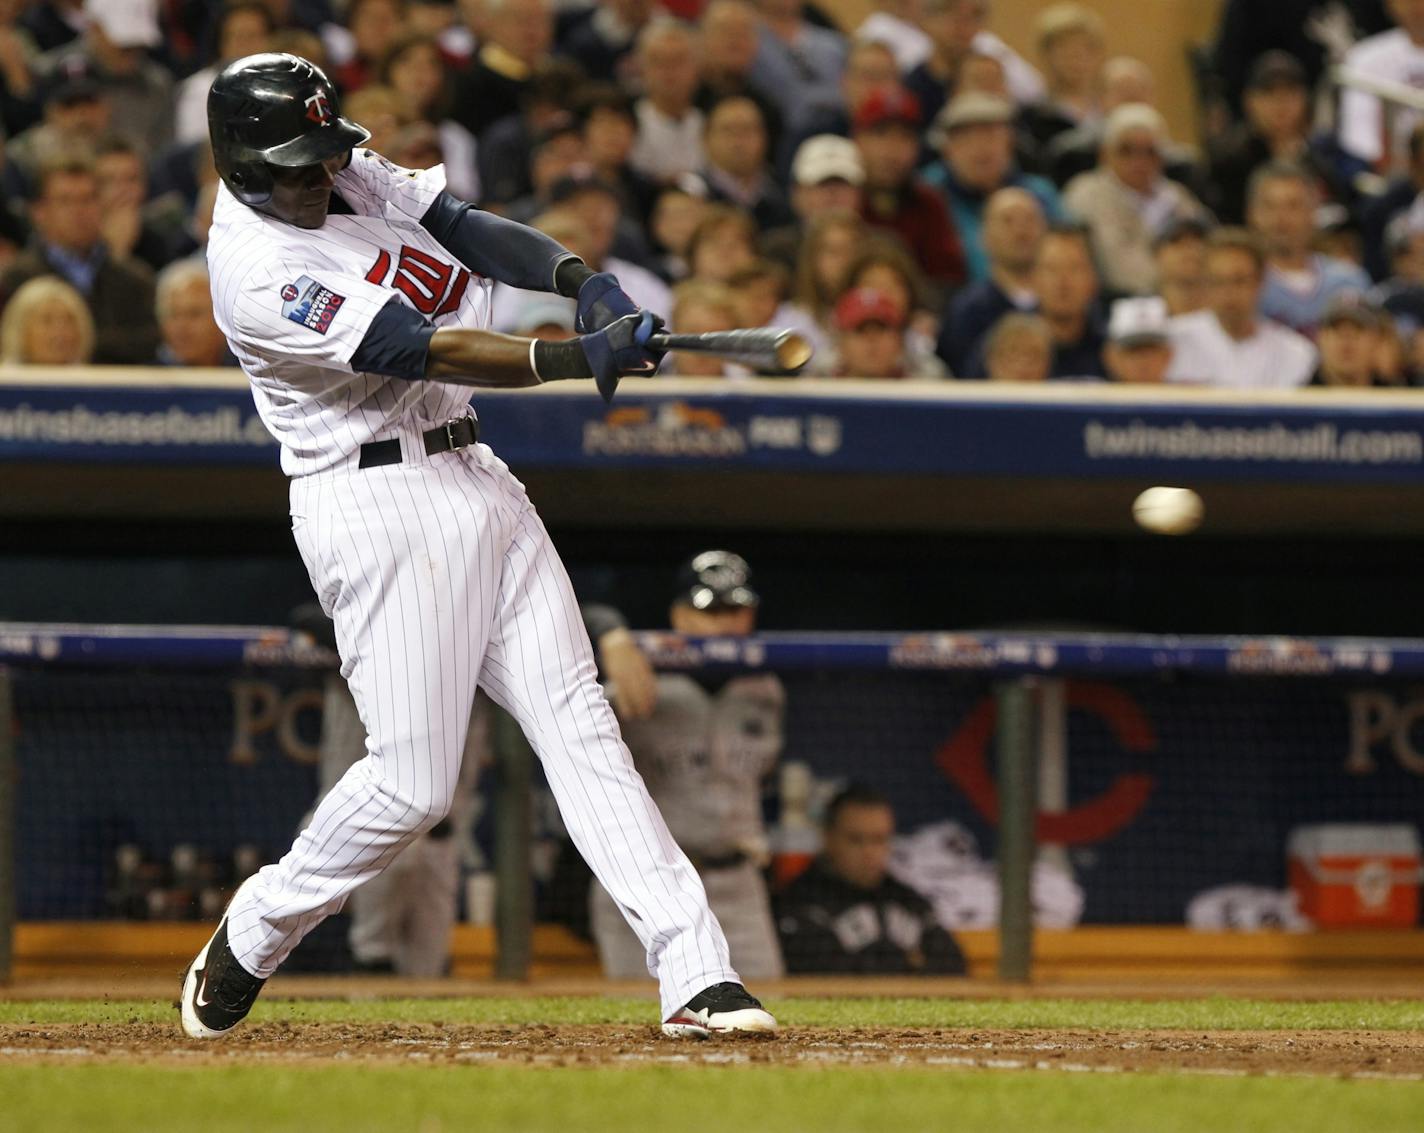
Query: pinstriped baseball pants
{"x": 440, "y": 577}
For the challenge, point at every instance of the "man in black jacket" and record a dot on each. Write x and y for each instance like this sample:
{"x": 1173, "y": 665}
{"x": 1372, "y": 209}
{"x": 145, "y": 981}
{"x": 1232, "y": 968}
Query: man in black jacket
{"x": 68, "y": 242}
{"x": 846, "y": 914}
{"x": 1277, "y": 127}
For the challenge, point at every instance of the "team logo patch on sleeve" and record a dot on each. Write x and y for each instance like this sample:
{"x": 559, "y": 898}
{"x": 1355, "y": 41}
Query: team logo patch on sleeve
{"x": 309, "y": 304}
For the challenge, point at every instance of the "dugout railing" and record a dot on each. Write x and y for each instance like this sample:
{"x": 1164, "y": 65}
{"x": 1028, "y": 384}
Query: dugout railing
{"x": 1190, "y": 760}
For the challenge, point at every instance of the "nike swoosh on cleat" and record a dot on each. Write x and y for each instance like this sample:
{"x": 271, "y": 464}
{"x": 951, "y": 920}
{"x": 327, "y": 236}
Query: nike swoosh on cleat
{"x": 202, "y": 987}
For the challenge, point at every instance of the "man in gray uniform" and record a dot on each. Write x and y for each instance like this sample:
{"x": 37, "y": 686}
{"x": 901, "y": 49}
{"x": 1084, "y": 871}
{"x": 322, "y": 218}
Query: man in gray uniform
{"x": 703, "y": 752}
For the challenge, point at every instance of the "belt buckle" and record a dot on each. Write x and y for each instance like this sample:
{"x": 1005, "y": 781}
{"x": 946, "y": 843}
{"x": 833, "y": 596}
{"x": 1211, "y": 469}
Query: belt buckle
{"x": 450, "y": 432}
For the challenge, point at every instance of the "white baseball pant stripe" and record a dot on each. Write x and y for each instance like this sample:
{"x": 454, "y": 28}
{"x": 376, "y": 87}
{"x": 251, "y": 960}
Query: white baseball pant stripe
{"x": 439, "y": 576}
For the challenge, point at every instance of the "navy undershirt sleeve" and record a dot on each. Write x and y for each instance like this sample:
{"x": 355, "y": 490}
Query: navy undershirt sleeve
{"x": 498, "y": 249}
{"x": 397, "y": 343}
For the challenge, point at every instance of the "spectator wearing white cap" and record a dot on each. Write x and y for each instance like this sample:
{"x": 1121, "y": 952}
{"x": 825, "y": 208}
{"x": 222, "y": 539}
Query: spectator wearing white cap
{"x": 115, "y": 47}
{"x": 1127, "y": 200}
{"x": 1139, "y": 347}
{"x": 1229, "y": 344}
{"x": 826, "y": 176}
{"x": 974, "y": 135}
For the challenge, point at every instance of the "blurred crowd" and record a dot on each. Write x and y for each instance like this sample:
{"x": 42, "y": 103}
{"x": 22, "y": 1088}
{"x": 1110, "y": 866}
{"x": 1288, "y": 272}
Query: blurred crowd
{"x": 911, "y": 193}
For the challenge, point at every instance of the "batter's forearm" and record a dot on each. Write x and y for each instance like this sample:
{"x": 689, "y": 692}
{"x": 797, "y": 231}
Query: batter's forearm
{"x": 491, "y": 360}
{"x": 482, "y": 358}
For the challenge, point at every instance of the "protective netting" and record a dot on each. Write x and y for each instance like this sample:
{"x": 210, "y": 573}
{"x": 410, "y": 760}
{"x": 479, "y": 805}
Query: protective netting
{"x": 1164, "y": 799}
{"x": 149, "y": 795}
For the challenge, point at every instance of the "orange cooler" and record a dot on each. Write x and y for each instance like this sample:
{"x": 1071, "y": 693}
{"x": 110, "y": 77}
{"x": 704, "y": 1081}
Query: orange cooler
{"x": 1356, "y": 876}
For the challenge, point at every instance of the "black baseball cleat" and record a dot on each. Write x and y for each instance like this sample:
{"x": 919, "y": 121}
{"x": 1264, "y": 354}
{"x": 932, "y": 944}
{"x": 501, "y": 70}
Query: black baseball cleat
{"x": 218, "y": 992}
{"x": 724, "y": 1008}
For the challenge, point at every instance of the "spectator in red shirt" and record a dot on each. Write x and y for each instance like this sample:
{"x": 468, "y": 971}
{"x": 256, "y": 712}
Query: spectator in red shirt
{"x": 886, "y": 128}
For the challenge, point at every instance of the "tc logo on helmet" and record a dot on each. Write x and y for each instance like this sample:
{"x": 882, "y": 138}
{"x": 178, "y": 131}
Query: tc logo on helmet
{"x": 319, "y": 109}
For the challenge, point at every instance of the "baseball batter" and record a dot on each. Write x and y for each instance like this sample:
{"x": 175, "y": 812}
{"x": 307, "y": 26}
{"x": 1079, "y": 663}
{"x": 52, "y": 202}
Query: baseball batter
{"x": 347, "y": 287}
{"x": 703, "y": 752}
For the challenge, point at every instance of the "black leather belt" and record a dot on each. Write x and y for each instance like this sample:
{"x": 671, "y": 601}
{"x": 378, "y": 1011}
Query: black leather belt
{"x": 462, "y": 432}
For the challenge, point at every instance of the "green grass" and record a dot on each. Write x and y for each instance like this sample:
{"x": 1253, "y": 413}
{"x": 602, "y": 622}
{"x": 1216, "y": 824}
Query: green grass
{"x": 264, "y": 1095}
{"x": 1205, "y": 1014}
{"x": 436, "y": 1100}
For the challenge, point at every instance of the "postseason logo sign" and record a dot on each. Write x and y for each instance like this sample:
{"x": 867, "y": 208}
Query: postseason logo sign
{"x": 309, "y": 304}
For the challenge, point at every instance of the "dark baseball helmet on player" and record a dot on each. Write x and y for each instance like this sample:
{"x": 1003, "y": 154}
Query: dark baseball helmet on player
{"x": 274, "y": 110}
{"x": 716, "y": 580}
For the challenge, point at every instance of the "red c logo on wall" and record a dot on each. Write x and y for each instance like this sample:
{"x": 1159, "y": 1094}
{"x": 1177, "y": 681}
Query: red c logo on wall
{"x": 965, "y": 759}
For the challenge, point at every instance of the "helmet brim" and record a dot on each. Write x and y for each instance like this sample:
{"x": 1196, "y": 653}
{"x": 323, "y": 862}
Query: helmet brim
{"x": 331, "y": 141}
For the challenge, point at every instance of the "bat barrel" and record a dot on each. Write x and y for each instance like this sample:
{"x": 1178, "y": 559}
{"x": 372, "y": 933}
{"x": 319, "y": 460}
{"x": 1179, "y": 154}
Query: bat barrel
{"x": 763, "y": 348}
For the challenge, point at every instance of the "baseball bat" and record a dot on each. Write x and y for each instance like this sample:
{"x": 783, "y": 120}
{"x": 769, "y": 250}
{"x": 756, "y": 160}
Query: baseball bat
{"x": 762, "y": 348}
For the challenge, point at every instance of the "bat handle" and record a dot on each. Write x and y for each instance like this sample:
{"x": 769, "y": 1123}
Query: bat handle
{"x": 660, "y": 341}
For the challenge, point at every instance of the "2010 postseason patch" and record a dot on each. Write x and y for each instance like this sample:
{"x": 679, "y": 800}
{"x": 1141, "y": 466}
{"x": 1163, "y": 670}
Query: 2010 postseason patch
{"x": 309, "y": 304}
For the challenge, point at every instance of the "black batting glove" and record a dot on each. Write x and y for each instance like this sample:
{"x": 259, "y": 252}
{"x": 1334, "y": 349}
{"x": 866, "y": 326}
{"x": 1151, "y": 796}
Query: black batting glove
{"x": 601, "y": 303}
{"x": 621, "y": 350}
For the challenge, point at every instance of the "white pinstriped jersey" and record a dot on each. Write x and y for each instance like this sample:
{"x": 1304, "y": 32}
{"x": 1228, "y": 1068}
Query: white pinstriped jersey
{"x": 295, "y": 304}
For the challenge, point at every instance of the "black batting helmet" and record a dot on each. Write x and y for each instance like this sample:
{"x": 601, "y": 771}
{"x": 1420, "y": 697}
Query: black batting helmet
{"x": 715, "y": 580}
{"x": 274, "y": 109}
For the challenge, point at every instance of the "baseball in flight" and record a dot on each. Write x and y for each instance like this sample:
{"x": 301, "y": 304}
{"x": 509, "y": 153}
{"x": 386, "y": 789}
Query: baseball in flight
{"x": 1168, "y": 511}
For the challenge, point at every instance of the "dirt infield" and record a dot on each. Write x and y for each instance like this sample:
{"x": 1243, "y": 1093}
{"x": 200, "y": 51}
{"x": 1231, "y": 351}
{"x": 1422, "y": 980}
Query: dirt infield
{"x": 139, "y": 983}
{"x": 1359, "y": 1054}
